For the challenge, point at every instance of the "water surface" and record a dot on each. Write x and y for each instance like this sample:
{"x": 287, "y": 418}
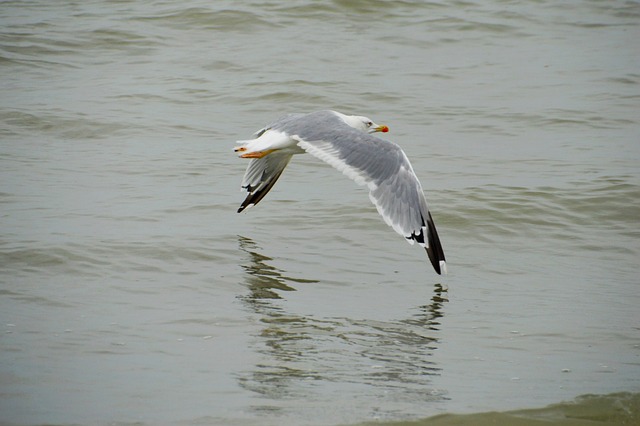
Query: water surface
{"x": 131, "y": 291}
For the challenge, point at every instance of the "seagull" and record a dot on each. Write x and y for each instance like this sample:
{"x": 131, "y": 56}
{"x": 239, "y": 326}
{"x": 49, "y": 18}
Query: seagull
{"x": 346, "y": 143}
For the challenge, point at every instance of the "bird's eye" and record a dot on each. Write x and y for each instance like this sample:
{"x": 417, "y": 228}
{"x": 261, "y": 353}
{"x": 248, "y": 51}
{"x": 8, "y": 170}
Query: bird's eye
{"x": 369, "y": 123}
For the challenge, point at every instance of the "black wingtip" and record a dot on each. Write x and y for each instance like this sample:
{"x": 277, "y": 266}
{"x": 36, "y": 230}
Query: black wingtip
{"x": 434, "y": 262}
{"x": 246, "y": 203}
{"x": 257, "y": 192}
{"x": 434, "y": 248}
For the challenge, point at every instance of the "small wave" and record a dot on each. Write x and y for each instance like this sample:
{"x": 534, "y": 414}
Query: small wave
{"x": 70, "y": 260}
{"x": 103, "y": 258}
{"x": 78, "y": 127}
{"x": 572, "y": 213}
{"x": 206, "y": 18}
{"x": 355, "y": 10}
{"x": 613, "y": 409}
{"x": 34, "y": 299}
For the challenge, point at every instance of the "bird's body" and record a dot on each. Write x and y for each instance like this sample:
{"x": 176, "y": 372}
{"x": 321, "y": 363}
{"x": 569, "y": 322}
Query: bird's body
{"x": 344, "y": 142}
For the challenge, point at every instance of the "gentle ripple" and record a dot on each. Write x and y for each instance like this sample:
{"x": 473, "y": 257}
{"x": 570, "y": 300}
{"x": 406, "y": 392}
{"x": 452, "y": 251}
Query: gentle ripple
{"x": 132, "y": 293}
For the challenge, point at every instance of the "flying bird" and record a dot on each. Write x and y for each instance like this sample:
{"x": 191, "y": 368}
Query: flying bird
{"x": 346, "y": 143}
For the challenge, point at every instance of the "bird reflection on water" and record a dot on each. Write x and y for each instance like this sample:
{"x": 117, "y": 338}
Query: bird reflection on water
{"x": 301, "y": 354}
{"x": 263, "y": 279}
{"x": 305, "y": 356}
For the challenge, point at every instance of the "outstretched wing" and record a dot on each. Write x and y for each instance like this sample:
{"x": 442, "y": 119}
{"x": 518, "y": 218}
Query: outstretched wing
{"x": 385, "y": 169}
{"x": 261, "y": 175}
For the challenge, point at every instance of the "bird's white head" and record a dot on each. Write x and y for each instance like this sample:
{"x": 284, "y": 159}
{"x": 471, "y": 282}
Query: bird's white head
{"x": 364, "y": 123}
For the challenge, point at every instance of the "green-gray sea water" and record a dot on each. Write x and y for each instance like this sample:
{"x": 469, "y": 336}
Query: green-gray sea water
{"x": 131, "y": 292}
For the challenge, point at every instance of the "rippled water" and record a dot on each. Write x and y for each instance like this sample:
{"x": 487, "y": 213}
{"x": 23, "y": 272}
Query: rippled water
{"x": 131, "y": 291}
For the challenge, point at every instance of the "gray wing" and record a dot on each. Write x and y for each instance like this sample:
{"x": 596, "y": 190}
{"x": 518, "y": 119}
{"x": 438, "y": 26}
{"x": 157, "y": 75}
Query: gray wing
{"x": 261, "y": 175}
{"x": 279, "y": 123}
{"x": 384, "y": 168}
